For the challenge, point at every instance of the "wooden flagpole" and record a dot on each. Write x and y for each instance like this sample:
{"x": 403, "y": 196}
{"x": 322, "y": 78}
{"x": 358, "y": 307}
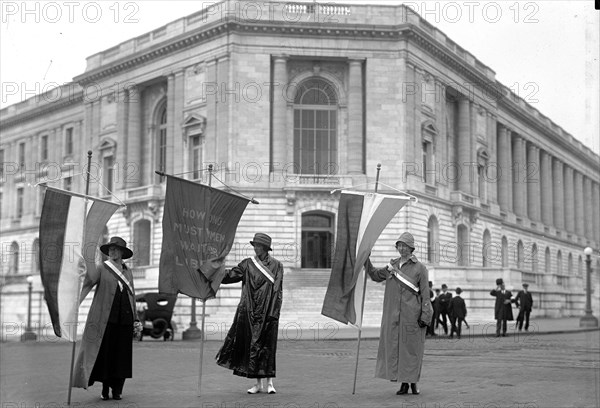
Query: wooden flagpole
{"x": 362, "y": 306}
{"x": 210, "y": 169}
{"x": 87, "y": 192}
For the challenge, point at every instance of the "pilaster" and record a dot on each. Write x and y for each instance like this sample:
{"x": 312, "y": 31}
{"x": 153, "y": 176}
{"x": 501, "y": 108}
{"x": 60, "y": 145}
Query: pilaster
{"x": 355, "y": 118}
{"x": 547, "y": 189}
{"x": 558, "y": 196}
{"x": 533, "y": 175}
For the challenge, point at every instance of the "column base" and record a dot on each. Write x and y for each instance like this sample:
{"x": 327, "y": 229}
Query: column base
{"x": 192, "y": 333}
{"x": 589, "y": 320}
{"x": 28, "y": 336}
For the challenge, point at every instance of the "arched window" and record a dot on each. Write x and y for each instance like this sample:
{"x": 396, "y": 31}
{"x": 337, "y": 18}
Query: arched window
{"x": 547, "y": 263}
{"x": 161, "y": 138}
{"x": 482, "y": 166}
{"x": 13, "y": 260}
{"x": 559, "y": 263}
{"x": 520, "y": 255}
{"x": 504, "y": 252}
{"x": 534, "y": 258}
{"x": 570, "y": 270}
{"x": 487, "y": 248}
{"x": 463, "y": 245}
{"x": 433, "y": 240}
{"x": 315, "y": 128}
{"x": 141, "y": 242}
{"x": 317, "y": 239}
{"x": 35, "y": 262}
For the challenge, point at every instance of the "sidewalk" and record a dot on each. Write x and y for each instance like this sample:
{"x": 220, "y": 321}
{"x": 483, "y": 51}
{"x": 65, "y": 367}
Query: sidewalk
{"x": 333, "y": 330}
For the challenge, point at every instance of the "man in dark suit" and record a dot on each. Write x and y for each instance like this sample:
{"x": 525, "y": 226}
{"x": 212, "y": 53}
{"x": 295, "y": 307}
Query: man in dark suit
{"x": 524, "y": 302}
{"x": 431, "y": 328}
{"x": 502, "y": 308}
{"x": 435, "y": 302}
{"x": 457, "y": 311}
{"x": 444, "y": 301}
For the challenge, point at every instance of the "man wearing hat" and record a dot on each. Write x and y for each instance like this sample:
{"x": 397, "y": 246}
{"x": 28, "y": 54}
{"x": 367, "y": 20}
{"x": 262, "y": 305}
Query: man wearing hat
{"x": 251, "y": 343}
{"x": 444, "y": 302}
{"x": 524, "y": 302}
{"x": 457, "y": 311}
{"x": 105, "y": 354}
{"x": 502, "y": 308}
{"x": 406, "y": 313}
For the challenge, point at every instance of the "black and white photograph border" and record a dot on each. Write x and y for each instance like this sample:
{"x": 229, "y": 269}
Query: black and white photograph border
{"x": 394, "y": 77}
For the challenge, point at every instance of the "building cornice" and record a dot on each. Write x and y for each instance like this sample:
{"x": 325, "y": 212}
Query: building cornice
{"x": 75, "y": 99}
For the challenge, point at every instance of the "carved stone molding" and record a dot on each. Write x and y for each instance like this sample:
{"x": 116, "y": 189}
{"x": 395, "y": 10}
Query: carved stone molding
{"x": 464, "y": 215}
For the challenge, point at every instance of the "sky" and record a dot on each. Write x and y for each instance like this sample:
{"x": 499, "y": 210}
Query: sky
{"x": 545, "y": 51}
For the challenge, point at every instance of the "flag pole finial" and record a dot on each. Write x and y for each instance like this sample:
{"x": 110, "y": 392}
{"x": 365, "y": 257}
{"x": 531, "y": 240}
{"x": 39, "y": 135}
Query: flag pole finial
{"x": 377, "y": 177}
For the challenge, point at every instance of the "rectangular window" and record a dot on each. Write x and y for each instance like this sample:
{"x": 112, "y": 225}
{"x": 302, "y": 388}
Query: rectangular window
{"x": 19, "y": 202}
{"x": 1, "y": 164}
{"x": 196, "y": 157}
{"x": 22, "y": 154}
{"x": 44, "y": 148}
{"x": 108, "y": 171}
{"x": 69, "y": 140}
{"x": 68, "y": 183}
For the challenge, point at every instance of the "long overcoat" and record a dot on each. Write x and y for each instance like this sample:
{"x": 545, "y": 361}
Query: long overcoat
{"x": 97, "y": 319}
{"x": 250, "y": 347}
{"x": 502, "y": 311}
{"x": 402, "y": 341}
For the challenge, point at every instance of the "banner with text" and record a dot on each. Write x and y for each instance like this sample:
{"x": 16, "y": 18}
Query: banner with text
{"x": 199, "y": 224}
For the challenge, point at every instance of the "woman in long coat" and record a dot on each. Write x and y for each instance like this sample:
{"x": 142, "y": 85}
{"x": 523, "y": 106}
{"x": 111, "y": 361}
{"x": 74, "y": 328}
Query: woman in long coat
{"x": 251, "y": 343}
{"x": 406, "y": 313}
{"x": 105, "y": 353}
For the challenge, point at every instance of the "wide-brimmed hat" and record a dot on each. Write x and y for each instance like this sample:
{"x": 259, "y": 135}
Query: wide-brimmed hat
{"x": 407, "y": 238}
{"x": 118, "y": 242}
{"x": 263, "y": 239}
{"x": 499, "y": 281}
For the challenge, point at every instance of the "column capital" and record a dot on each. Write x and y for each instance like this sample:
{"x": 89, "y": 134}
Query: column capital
{"x": 280, "y": 57}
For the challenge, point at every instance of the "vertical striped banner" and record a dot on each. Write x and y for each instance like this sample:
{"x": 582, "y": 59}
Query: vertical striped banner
{"x": 361, "y": 219}
{"x": 66, "y": 251}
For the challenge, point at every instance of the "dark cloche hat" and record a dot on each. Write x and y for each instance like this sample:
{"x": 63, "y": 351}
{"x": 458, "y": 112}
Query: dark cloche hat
{"x": 263, "y": 239}
{"x": 118, "y": 242}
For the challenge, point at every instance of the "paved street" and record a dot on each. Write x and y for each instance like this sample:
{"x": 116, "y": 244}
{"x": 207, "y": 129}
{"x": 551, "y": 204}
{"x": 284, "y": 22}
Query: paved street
{"x": 527, "y": 371}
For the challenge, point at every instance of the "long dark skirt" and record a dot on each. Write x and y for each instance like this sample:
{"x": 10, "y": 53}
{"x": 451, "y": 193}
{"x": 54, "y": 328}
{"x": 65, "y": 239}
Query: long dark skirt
{"x": 115, "y": 356}
{"x": 250, "y": 350}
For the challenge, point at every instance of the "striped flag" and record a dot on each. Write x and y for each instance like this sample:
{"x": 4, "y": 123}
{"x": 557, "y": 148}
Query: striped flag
{"x": 66, "y": 251}
{"x": 361, "y": 219}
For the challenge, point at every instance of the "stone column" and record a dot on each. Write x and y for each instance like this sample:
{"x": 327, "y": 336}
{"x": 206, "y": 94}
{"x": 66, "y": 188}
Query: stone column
{"x": 587, "y": 208}
{"x": 547, "y": 189}
{"x": 179, "y": 154}
{"x": 504, "y": 170}
{"x": 279, "y": 142}
{"x": 596, "y": 214}
{"x": 519, "y": 176}
{"x": 122, "y": 141}
{"x": 355, "y": 118}
{"x": 558, "y": 196}
{"x": 133, "y": 108}
{"x": 211, "y": 114}
{"x": 464, "y": 145}
{"x": 227, "y": 98}
{"x": 170, "y": 123}
{"x": 569, "y": 199}
{"x": 493, "y": 179}
{"x": 532, "y": 175}
{"x": 579, "y": 207}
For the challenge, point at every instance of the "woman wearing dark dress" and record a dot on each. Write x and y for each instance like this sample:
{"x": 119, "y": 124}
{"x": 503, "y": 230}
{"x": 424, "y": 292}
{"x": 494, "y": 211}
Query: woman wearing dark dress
{"x": 105, "y": 354}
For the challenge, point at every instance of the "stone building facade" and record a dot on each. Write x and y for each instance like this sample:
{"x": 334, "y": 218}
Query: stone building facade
{"x": 290, "y": 104}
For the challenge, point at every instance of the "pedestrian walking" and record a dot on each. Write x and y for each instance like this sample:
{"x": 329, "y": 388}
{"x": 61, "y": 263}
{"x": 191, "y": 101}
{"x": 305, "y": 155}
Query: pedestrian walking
{"x": 458, "y": 312}
{"x": 105, "y": 354}
{"x": 502, "y": 307}
{"x": 444, "y": 301}
{"x": 251, "y": 344}
{"x": 406, "y": 313}
{"x": 524, "y": 301}
{"x": 431, "y": 328}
